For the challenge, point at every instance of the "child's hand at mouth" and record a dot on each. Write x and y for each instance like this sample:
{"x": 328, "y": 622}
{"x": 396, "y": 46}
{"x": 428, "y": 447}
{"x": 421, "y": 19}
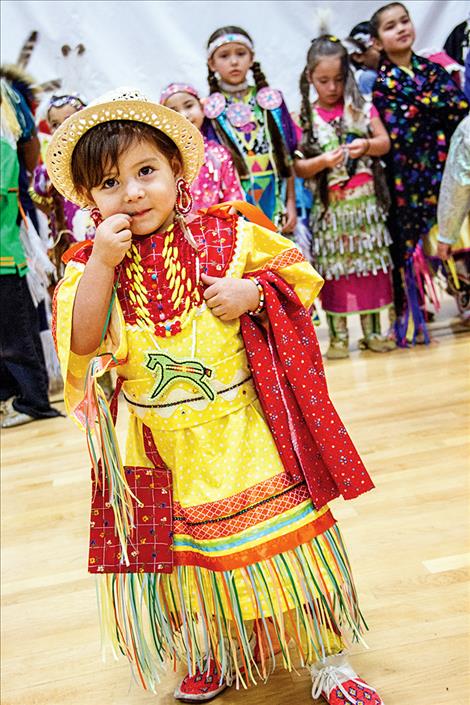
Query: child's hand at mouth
{"x": 112, "y": 240}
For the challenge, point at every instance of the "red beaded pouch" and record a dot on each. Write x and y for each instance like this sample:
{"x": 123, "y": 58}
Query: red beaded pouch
{"x": 149, "y": 548}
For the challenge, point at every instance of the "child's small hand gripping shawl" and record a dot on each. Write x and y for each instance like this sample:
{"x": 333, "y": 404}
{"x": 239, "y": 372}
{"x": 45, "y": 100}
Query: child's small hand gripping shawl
{"x": 287, "y": 369}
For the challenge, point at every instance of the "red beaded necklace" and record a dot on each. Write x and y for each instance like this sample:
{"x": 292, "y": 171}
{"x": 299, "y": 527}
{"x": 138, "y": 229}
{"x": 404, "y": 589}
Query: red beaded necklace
{"x": 159, "y": 282}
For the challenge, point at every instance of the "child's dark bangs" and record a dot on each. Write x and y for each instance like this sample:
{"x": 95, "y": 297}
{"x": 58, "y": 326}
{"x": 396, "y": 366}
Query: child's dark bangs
{"x": 97, "y": 152}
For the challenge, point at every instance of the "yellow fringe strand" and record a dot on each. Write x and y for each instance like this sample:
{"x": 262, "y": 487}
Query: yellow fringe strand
{"x": 103, "y": 447}
{"x": 305, "y": 596}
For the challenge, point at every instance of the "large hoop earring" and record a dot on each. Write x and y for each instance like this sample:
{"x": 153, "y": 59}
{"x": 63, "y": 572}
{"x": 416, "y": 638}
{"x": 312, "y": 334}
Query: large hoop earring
{"x": 96, "y": 217}
{"x": 184, "y": 200}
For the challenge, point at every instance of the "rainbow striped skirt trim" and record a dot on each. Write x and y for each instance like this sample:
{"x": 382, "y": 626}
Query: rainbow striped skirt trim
{"x": 303, "y": 597}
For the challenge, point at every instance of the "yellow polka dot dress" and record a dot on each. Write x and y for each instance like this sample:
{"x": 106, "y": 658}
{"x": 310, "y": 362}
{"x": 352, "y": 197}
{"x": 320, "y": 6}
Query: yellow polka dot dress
{"x": 247, "y": 542}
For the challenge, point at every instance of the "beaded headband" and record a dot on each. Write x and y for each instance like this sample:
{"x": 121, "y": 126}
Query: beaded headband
{"x": 229, "y": 39}
{"x": 173, "y": 88}
{"x": 58, "y": 101}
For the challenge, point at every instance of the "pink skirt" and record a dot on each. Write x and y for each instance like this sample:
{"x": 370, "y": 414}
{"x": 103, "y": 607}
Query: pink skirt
{"x": 357, "y": 294}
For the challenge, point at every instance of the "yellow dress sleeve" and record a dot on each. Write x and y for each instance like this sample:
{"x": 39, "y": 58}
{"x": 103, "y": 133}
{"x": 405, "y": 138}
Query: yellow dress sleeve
{"x": 273, "y": 252}
{"x": 74, "y": 366}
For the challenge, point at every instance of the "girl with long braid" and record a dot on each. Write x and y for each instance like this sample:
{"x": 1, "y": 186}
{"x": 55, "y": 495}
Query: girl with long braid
{"x": 254, "y": 123}
{"x": 342, "y": 137}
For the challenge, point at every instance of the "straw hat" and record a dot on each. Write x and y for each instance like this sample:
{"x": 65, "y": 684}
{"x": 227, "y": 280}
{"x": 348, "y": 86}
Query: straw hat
{"x": 120, "y": 104}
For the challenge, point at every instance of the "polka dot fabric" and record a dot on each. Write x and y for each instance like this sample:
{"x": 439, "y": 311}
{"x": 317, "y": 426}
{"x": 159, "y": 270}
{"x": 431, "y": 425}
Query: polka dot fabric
{"x": 288, "y": 372}
{"x": 235, "y": 497}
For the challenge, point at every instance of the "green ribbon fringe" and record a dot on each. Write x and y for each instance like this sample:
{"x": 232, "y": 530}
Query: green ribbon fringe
{"x": 306, "y": 594}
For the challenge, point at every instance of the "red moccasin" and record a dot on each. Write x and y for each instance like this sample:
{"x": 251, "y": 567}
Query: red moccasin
{"x": 339, "y": 684}
{"x": 200, "y": 687}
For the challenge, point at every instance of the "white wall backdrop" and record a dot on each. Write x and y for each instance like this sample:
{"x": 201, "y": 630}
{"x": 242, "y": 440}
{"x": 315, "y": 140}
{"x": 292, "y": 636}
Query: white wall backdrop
{"x": 148, "y": 43}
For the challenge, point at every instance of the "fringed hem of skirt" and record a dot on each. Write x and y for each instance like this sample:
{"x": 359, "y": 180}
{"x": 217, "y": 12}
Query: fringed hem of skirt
{"x": 306, "y": 595}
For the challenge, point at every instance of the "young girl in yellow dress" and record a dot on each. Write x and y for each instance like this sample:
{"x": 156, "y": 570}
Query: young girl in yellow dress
{"x": 214, "y": 544}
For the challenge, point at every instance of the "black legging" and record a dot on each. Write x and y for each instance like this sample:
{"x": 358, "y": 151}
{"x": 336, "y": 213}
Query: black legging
{"x": 23, "y": 372}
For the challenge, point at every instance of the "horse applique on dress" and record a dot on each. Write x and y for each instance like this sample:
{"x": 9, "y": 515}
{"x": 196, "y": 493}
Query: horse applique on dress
{"x": 172, "y": 371}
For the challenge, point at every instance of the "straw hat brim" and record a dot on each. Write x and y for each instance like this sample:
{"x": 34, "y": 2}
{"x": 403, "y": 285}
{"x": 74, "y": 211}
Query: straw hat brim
{"x": 184, "y": 134}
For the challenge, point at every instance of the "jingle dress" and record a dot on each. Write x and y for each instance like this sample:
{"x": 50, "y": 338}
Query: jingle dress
{"x": 350, "y": 240}
{"x": 247, "y": 124}
{"x": 248, "y": 542}
{"x": 453, "y": 214}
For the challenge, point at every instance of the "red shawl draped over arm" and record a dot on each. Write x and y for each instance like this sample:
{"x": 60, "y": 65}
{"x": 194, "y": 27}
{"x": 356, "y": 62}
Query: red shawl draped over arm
{"x": 287, "y": 369}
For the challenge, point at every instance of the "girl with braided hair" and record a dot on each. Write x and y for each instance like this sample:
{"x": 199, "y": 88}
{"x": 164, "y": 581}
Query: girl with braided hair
{"x": 342, "y": 136}
{"x": 254, "y": 123}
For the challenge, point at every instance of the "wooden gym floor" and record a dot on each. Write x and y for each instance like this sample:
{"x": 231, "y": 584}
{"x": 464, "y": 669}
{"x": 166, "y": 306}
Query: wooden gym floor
{"x": 408, "y": 540}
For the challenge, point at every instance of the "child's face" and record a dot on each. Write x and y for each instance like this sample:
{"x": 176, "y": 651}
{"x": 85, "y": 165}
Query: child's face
{"x": 232, "y": 62}
{"x": 188, "y": 105}
{"x": 327, "y": 78}
{"x": 142, "y": 186}
{"x": 396, "y": 31}
{"x": 56, "y": 116}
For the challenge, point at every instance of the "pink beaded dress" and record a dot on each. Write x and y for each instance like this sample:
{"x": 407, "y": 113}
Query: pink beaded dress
{"x": 218, "y": 179}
